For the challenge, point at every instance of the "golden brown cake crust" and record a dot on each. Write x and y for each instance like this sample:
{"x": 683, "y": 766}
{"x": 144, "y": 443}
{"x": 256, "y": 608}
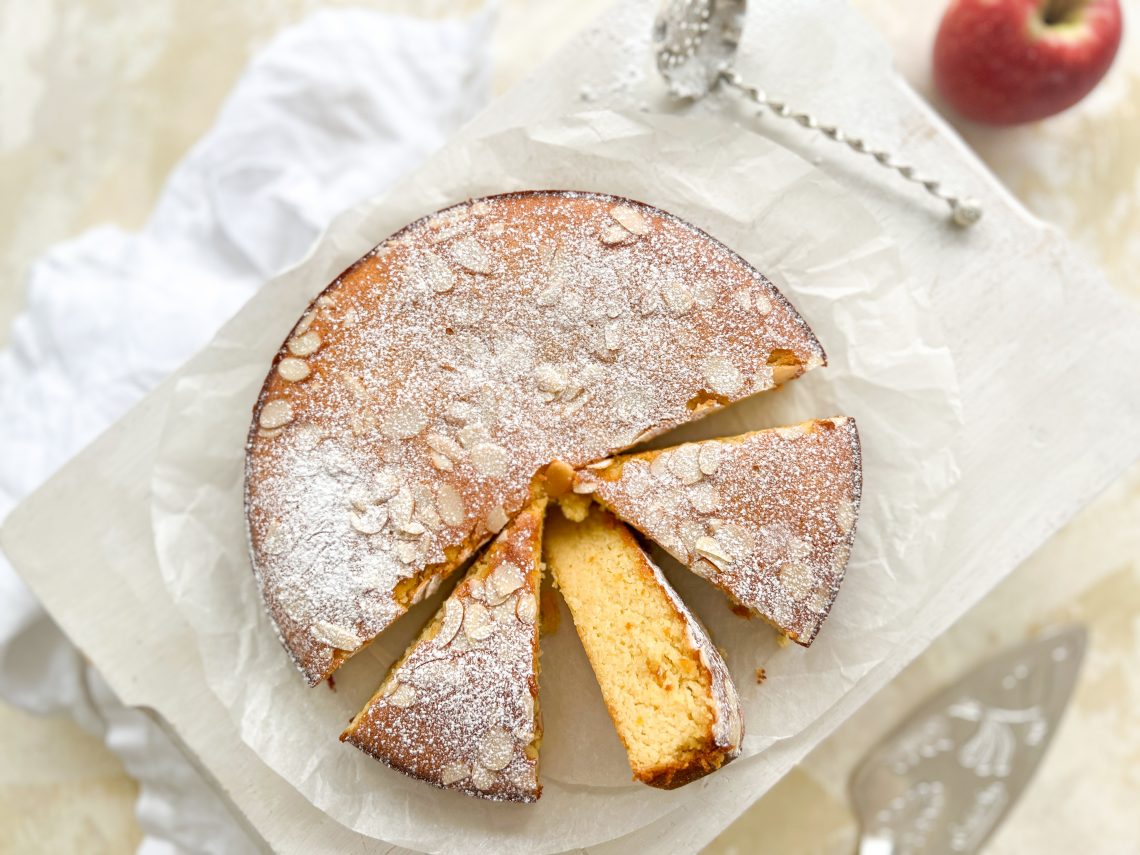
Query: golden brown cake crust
{"x": 460, "y": 709}
{"x": 404, "y": 418}
{"x": 768, "y": 517}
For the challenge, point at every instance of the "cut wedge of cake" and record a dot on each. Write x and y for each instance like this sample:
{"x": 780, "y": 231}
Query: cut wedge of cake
{"x": 460, "y": 709}
{"x": 403, "y": 419}
{"x": 768, "y": 517}
{"x": 666, "y": 686}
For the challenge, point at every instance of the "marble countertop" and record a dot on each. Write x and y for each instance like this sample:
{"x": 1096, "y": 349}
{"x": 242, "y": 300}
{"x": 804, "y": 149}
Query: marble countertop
{"x": 88, "y": 137}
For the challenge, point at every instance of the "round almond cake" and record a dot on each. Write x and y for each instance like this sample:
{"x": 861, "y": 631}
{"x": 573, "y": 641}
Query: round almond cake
{"x": 407, "y": 417}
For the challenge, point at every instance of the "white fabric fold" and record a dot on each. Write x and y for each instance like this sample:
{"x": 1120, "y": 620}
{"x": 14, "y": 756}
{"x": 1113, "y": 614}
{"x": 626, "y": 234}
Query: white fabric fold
{"x": 330, "y": 113}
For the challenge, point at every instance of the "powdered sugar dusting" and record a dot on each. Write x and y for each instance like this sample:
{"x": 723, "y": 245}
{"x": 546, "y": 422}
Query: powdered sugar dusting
{"x": 459, "y": 710}
{"x": 778, "y": 534}
{"x": 467, "y": 353}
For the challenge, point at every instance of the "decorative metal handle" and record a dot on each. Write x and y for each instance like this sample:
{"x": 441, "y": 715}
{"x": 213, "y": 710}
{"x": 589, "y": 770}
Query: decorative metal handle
{"x": 696, "y": 43}
{"x": 963, "y": 211}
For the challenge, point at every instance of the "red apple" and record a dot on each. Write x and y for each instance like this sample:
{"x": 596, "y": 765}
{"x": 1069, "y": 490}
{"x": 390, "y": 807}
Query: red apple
{"x": 1009, "y": 61}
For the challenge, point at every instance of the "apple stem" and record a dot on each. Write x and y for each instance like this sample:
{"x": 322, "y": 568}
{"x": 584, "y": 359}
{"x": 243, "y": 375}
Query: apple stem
{"x": 1058, "y": 12}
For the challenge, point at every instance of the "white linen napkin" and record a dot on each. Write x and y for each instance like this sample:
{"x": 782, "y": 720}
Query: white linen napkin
{"x": 331, "y": 112}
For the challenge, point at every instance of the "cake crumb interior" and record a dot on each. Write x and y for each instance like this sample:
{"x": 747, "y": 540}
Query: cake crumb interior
{"x": 650, "y": 674}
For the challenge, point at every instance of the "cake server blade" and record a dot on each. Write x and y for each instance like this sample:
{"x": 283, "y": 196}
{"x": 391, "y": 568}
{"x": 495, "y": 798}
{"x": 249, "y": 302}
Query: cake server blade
{"x": 947, "y": 777}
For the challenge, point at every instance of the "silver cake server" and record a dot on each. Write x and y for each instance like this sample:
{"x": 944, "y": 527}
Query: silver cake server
{"x": 945, "y": 779}
{"x": 696, "y": 43}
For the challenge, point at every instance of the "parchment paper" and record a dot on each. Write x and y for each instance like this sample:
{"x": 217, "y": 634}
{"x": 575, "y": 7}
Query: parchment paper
{"x": 888, "y": 368}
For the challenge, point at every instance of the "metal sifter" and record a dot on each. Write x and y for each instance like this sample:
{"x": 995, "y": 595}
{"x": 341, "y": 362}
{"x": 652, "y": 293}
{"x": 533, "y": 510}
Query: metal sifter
{"x": 697, "y": 41}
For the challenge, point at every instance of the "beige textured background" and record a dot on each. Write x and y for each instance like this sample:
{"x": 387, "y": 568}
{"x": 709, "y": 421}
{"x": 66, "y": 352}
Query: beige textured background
{"x": 99, "y": 99}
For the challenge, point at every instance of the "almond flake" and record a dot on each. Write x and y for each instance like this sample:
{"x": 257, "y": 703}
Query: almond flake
{"x": 435, "y": 673}
{"x": 459, "y": 412}
{"x": 401, "y": 507}
{"x": 721, "y": 375}
{"x": 304, "y": 324}
{"x": 293, "y": 369}
{"x": 678, "y": 298}
{"x": 650, "y": 302}
{"x": 408, "y": 551}
{"x": 604, "y": 463}
{"x": 691, "y": 531}
{"x": 275, "y": 542}
{"x": 411, "y": 529}
{"x": 496, "y": 749}
{"x": 704, "y": 497}
{"x": 792, "y": 432}
{"x": 440, "y": 462}
{"x": 451, "y": 507}
{"x": 684, "y": 464}
{"x": 370, "y": 520}
{"x": 763, "y": 304}
{"x": 734, "y": 539}
{"x": 549, "y": 378}
{"x": 453, "y": 773}
{"x": 710, "y": 456}
{"x": 503, "y": 581}
{"x": 711, "y": 551}
{"x": 403, "y": 697}
{"x": 496, "y": 519}
{"x": 445, "y": 445}
{"x": 615, "y": 235}
{"x": 332, "y": 635}
{"x": 305, "y": 344}
{"x": 502, "y": 612}
{"x": 845, "y": 516}
{"x": 438, "y": 273}
{"x": 477, "y": 624}
{"x": 798, "y": 549}
{"x": 490, "y": 459}
{"x": 475, "y": 589}
{"x": 526, "y": 732}
{"x": 384, "y": 485}
{"x": 796, "y": 579}
{"x": 584, "y": 488}
{"x": 426, "y": 588}
{"x": 659, "y": 466}
{"x": 613, "y": 335}
{"x": 630, "y": 219}
{"x": 549, "y": 295}
{"x": 469, "y": 254}
{"x": 473, "y": 435}
{"x": 452, "y": 620}
{"x": 270, "y": 434}
{"x": 275, "y": 414}
{"x": 482, "y": 779}
{"x": 526, "y": 609}
{"x": 404, "y": 421}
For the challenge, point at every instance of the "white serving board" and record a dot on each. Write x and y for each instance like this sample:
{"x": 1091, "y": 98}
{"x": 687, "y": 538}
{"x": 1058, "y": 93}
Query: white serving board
{"x": 1048, "y": 360}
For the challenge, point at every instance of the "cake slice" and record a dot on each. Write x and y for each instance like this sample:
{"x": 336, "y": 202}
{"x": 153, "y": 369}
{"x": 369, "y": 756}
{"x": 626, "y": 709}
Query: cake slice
{"x": 460, "y": 709}
{"x": 667, "y": 688}
{"x": 768, "y": 517}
